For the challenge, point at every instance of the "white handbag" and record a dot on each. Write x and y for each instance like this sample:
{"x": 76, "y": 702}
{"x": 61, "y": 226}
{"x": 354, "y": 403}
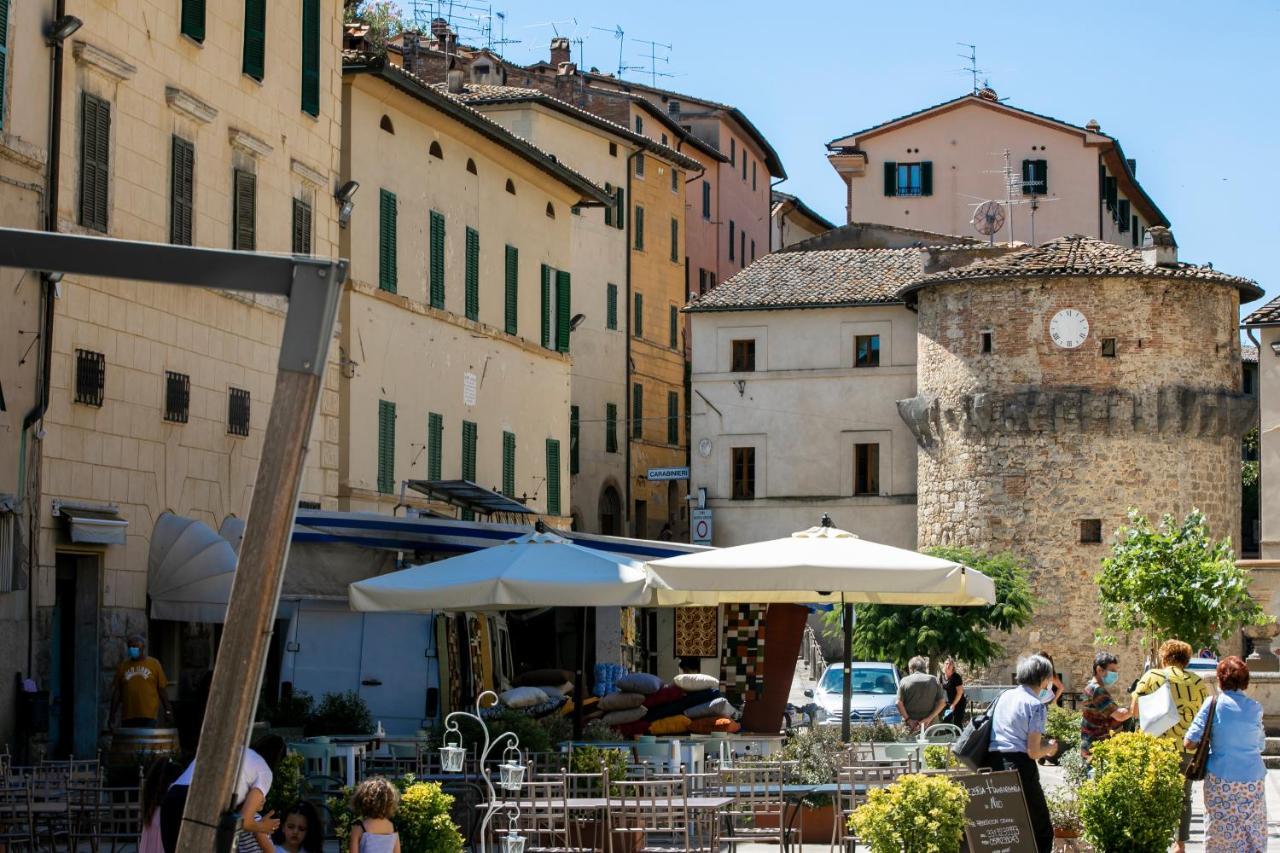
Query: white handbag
{"x": 1157, "y": 712}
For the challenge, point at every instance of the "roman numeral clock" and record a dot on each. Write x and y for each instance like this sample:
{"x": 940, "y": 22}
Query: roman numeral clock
{"x": 1069, "y": 328}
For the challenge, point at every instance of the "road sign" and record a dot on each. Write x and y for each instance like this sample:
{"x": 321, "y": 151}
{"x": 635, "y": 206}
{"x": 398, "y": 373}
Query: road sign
{"x": 668, "y": 474}
{"x": 700, "y": 526}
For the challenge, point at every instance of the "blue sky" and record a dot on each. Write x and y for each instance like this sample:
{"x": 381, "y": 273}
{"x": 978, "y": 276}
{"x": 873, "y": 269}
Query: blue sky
{"x": 1189, "y": 89}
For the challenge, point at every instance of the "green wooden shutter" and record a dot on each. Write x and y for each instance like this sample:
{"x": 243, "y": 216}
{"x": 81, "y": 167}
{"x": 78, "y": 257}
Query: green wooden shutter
{"x": 435, "y": 437}
{"x": 437, "y": 259}
{"x": 311, "y": 57}
{"x": 546, "y": 305}
{"x": 1042, "y": 174}
{"x": 553, "y": 476}
{"x": 386, "y": 447}
{"x": 732, "y": 233}
{"x": 509, "y": 464}
{"x": 608, "y": 211}
{"x": 95, "y": 161}
{"x": 611, "y": 306}
{"x": 1027, "y": 167}
{"x": 619, "y": 208}
{"x": 890, "y": 178}
{"x": 637, "y": 411}
{"x": 387, "y": 265}
{"x": 4, "y": 52}
{"x": 302, "y": 227}
{"x": 706, "y": 200}
{"x": 245, "y": 212}
{"x": 472, "y": 278}
{"x": 674, "y": 322}
{"x": 181, "y": 190}
{"x": 673, "y": 417}
{"x": 563, "y": 306}
{"x": 255, "y": 38}
{"x": 639, "y": 227}
{"x": 675, "y": 240}
{"x": 610, "y": 428}
{"x": 192, "y": 19}
{"x": 926, "y": 178}
{"x": 638, "y": 319}
{"x": 469, "y": 451}
{"x": 574, "y": 425}
{"x": 512, "y": 306}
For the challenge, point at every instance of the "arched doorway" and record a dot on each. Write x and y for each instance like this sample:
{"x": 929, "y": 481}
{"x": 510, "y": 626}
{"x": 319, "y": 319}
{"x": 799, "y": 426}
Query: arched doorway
{"x": 610, "y": 512}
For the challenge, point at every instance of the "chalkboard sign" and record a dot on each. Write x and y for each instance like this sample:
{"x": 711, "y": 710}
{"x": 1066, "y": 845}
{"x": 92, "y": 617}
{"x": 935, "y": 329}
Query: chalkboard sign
{"x": 996, "y": 820}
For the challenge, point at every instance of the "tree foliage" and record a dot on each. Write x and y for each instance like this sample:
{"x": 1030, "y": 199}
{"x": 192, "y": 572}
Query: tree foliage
{"x": 383, "y": 18}
{"x": 896, "y": 633}
{"x": 1174, "y": 582}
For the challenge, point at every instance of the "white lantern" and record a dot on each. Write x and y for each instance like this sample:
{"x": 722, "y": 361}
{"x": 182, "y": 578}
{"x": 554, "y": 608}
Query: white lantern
{"x": 510, "y": 771}
{"x": 511, "y": 843}
{"x": 451, "y": 758}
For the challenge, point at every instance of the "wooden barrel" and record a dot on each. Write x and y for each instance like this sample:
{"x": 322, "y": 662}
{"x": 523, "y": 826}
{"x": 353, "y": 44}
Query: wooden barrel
{"x": 142, "y": 746}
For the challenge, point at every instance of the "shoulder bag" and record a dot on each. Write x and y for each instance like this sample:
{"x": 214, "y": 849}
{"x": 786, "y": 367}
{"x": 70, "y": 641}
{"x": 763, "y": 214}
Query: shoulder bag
{"x": 973, "y": 743}
{"x": 1199, "y": 763}
{"x": 1157, "y": 710}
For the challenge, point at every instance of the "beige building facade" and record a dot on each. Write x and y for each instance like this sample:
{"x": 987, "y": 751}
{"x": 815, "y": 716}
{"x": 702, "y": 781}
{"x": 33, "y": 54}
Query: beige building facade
{"x": 1265, "y": 323}
{"x": 791, "y": 221}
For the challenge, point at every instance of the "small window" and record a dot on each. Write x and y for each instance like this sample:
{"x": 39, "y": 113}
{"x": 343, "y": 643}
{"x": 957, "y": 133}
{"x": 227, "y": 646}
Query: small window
{"x": 639, "y": 124}
{"x": 744, "y": 473}
{"x": 302, "y": 227}
{"x": 1108, "y": 347}
{"x": 866, "y": 469}
{"x": 986, "y": 343}
{"x": 743, "y": 356}
{"x": 706, "y": 200}
{"x": 436, "y": 151}
{"x": 471, "y": 166}
{"x": 673, "y": 417}
{"x": 551, "y": 211}
{"x": 192, "y": 20}
{"x": 732, "y": 232}
{"x": 613, "y": 149}
{"x": 1035, "y": 177}
{"x": 675, "y": 240}
{"x": 637, "y": 320}
{"x": 639, "y": 229}
{"x": 1122, "y": 215}
{"x": 753, "y": 176}
{"x": 673, "y": 326}
{"x": 673, "y": 108}
{"x": 386, "y": 125}
{"x": 639, "y": 165}
{"x": 611, "y": 307}
{"x": 1090, "y": 530}
{"x": 309, "y": 505}
{"x": 675, "y": 181}
{"x": 91, "y": 377}
{"x": 909, "y": 179}
{"x": 733, "y": 152}
{"x": 238, "y": 412}
{"x": 664, "y": 139}
{"x": 511, "y": 187}
{"x": 637, "y": 411}
{"x": 866, "y": 351}
{"x": 244, "y": 211}
{"x": 753, "y": 250}
{"x": 177, "y": 397}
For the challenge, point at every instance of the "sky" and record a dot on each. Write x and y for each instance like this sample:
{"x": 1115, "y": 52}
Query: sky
{"x": 1189, "y": 89}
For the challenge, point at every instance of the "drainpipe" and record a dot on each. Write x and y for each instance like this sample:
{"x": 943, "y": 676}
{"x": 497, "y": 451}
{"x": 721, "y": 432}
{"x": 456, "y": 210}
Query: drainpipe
{"x": 627, "y": 218}
{"x": 781, "y": 222}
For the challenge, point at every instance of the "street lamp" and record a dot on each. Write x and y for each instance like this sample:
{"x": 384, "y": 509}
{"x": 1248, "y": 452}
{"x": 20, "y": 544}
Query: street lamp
{"x": 62, "y": 29}
{"x": 345, "y": 204}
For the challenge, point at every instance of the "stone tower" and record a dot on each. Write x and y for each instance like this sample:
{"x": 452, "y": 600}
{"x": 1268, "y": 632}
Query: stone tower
{"x": 1057, "y": 387}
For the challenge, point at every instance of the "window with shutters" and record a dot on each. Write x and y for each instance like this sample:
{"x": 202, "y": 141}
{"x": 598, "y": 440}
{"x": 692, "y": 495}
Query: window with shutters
{"x": 553, "y": 476}
{"x": 637, "y": 322}
{"x": 742, "y": 248}
{"x": 753, "y": 176}
{"x": 255, "y": 38}
{"x": 608, "y": 211}
{"x": 639, "y": 124}
{"x": 564, "y": 303}
{"x": 573, "y": 439}
{"x": 91, "y": 377}
{"x": 611, "y": 306}
{"x": 866, "y": 351}
{"x": 706, "y": 200}
{"x": 910, "y": 179}
{"x": 469, "y": 451}
{"x": 1035, "y": 177}
{"x": 509, "y": 464}
{"x": 8, "y": 537}
{"x": 311, "y": 57}
{"x": 637, "y": 410}
{"x": 95, "y": 161}
{"x": 244, "y": 211}
{"x": 238, "y": 411}
{"x": 733, "y": 152}
{"x": 472, "y": 275}
{"x": 619, "y": 208}
{"x": 744, "y": 473}
{"x": 1110, "y": 193}
{"x": 387, "y": 266}
{"x": 192, "y": 23}
{"x": 673, "y": 417}
{"x": 675, "y": 181}
{"x": 511, "y": 292}
{"x": 610, "y": 427}
{"x": 675, "y": 240}
{"x": 673, "y": 326}
{"x": 435, "y": 438}
{"x": 744, "y": 165}
{"x": 302, "y": 227}
{"x": 1134, "y": 229}
{"x": 702, "y": 281}
{"x": 437, "y": 259}
{"x": 639, "y": 229}
{"x": 742, "y": 356}
{"x": 386, "y": 447}
{"x": 177, "y": 397}
{"x": 544, "y": 276}
{"x": 732, "y": 233}
{"x": 866, "y": 469}
{"x": 639, "y": 165}
{"x": 1122, "y": 215}
{"x": 182, "y": 181}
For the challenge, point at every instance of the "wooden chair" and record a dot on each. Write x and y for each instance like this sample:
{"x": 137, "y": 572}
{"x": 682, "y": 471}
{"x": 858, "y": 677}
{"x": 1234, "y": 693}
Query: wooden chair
{"x": 656, "y": 813}
{"x": 540, "y": 813}
{"x": 17, "y": 828}
{"x": 942, "y": 733}
{"x": 759, "y": 810}
{"x": 389, "y": 766}
{"x": 851, "y": 792}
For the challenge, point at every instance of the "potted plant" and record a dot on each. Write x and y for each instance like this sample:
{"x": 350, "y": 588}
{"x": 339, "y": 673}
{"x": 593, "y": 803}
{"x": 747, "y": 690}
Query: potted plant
{"x": 938, "y": 756}
{"x": 1064, "y": 812}
{"x": 594, "y": 759}
{"x": 916, "y": 814}
{"x": 1063, "y": 726}
{"x": 423, "y": 820}
{"x": 817, "y": 754}
{"x": 1133, "y": 802}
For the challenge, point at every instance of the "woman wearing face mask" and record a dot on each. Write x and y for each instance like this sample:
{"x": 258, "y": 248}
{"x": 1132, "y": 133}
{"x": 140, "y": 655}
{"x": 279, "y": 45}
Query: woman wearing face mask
{"x": 1018, "y": 721}
{"x": 1100, "y": 716}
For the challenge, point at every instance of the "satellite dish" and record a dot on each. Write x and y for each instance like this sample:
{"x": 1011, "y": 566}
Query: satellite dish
{"x": 988, "y": 218}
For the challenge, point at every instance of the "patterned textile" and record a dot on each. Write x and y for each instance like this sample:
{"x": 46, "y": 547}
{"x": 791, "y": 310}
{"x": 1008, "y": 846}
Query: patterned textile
{"x": 629, "y": 629}
{"x": 1189, "y": 693}
{"x": 453, "y": 662}
{"x": 696, "y": 632}
{"x": 742, "y": 663}
{"x": 1096, "y": 722}
{"x": 1235, "y": 816}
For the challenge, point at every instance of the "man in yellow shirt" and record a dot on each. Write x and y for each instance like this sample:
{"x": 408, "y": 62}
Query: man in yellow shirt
{"x": 1189, "y": 692}
{"x": 139, "y": 688}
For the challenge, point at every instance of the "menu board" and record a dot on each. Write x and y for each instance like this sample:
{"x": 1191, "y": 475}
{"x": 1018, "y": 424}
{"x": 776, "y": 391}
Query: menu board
{"x": 996, "y": 820}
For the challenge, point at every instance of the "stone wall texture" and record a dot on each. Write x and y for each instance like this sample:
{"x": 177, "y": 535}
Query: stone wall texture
{"x": 1021, "y": 444}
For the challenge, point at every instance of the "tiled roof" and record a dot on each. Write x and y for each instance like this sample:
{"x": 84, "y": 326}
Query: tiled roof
{"x": 1078, "y": 255}
{"x": 1267, "y": 315}
{"x": 816, "y": 279}
{"x": 486, "y": 93}
{"x": 1249, "y": 354}
{"x": 779, "y": 197}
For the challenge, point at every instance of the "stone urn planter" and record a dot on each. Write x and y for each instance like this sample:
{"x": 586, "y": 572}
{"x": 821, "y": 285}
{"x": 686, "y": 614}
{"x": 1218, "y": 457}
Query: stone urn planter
{"x": 1262, "y": 659}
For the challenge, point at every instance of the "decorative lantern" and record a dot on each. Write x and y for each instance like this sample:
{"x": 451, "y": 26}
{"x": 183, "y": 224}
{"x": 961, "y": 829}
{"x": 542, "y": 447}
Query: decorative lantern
{"x": 510, "y": 771}
{"x": 452, "y": 755}
{"x": 511, "y": 843}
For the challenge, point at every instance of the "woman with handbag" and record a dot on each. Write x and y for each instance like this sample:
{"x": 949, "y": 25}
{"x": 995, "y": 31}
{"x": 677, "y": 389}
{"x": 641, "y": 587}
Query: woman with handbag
{"x": 1229, "y": 727}
{"x": 1018, "y": 720}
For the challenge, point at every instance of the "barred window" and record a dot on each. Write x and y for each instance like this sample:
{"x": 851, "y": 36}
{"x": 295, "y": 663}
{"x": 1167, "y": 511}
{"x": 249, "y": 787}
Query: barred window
{"x": 238, "y": 412}
{"x": 91, "y": 377}
{"x": 177, "y": 397}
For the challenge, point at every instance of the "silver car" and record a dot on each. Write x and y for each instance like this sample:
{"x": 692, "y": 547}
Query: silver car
{"x": 874, "y": 697}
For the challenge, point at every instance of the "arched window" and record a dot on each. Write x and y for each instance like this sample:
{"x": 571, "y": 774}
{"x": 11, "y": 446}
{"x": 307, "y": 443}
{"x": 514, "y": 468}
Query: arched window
{"x": 511, "y": 187}
{"x": 610, "y": 512}
{"x": 471, "y": 166}
{"x": 435, "y": 150}
{"x": 386, "y": 125}
{"x": 551, "y": 211}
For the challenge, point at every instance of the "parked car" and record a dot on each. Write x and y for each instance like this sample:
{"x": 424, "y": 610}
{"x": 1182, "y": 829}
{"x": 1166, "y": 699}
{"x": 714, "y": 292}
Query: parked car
{"x": 874, "y": 697}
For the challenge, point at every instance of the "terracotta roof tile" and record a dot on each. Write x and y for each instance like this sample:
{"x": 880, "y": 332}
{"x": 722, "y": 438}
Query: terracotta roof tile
{"x": 1267, "y": 315}
{"x": 1249, "y": 354}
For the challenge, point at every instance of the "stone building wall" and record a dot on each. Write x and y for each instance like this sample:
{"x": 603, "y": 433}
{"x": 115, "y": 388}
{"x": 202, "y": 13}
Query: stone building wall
{"x": 1020, "y": 445}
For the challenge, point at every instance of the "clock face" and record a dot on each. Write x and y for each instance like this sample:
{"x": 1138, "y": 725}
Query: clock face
{"x": 1068, "y": 328}
{"x": 704, "y": 447}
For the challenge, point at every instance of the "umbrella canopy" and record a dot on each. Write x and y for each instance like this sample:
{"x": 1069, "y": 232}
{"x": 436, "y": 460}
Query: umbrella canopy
{"x": 535, "y": 570}
{"x": 821, "y": 564}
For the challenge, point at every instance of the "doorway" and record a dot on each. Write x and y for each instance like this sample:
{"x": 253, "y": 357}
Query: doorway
{"x": 641, "y": 520}
{"x": 610, "y": 512}
{"x": 74, "y": 658}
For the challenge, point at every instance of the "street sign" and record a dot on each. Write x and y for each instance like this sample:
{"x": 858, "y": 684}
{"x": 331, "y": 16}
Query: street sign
{"x": 700, "y": 526}
{"x": 668, "y": 474}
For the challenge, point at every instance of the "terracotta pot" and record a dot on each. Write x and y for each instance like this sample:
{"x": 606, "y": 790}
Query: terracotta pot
{"x": 1064, "y": 832}
{"x": 814, "y": 823}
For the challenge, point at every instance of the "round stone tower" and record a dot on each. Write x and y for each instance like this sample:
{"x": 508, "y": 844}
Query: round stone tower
{"x": 1057, "y": 387}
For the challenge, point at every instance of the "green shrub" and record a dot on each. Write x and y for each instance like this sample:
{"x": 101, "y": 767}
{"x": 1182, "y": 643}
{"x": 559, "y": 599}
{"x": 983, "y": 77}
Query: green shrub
{"x": 1064, "y": 809}
{"x": 1064, "y": 726}
{"x": 877, "y": 732}
{"x": 939, "y": 756}
{"x": 597, "y": 731}
{"x": 916, "y": 814}
{"x": 593, "y": 759}
{"x": 1075, "y": 771}
{"x": 423, "y": 820}
{"x": 1134, "y": 800}
{"x": 341, "y": 714}
{"x": 818, "y": 755}
{"x": 286, "y": 785}
{"x": 290, "y": 712}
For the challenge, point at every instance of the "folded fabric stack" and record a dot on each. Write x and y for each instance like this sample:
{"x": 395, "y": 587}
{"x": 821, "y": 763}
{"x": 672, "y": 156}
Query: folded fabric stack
{"x": 606, "y": 678}
{"x": 643, "y": 705}
{"x": 540, "y": 692}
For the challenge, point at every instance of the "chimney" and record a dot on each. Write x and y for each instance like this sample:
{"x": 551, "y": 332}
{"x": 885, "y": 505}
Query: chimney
{"x": 559, "y": 51}
{"x": 1159, "y": 248}
{"x": 986, "y": 93}
{"x": 1093, "y": 126}
{"x": 446, "y": 41}
{"x": 566, "y": 69}
{"x": 455, "y": 81}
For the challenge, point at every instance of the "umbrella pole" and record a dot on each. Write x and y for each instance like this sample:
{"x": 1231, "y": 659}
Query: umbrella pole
{"x": 578, "y": 676}
{"x": 847, "y": 690}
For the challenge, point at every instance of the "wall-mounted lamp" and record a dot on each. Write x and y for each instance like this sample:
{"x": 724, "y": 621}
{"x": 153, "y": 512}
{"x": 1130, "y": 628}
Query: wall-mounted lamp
{"x": 345, "y": 204}
{"x": 1275, "y": 347}
{"x": 742, "y": 386}
{"x": 61, "y": 30}
{"x": 576, "y": 321}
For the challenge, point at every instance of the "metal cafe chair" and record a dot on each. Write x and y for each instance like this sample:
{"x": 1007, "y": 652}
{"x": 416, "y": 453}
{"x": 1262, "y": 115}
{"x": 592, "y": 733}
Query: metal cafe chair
{"x": 105, "y": 818}
{"x": 17, "y": 827}
{"x": 758, "y": 811}
{"x": 539, "y": 812}
{"x": 656, "y": 813}
{"x": 942, "y": 733}
{"x": 851, "y": 792}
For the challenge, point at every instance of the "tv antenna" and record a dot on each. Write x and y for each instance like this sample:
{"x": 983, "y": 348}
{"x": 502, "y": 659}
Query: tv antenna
{"x": 988, "y": 219}
{"x": 501, "y": 41}
{"x": 1016, "y": 192}
{"x": 471, "y": 21}
{"x": 972, "y": 68}
{"x": 555, "y": 25}
{"x": 622, "y": 38}
{"x": 654, "y": 59}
